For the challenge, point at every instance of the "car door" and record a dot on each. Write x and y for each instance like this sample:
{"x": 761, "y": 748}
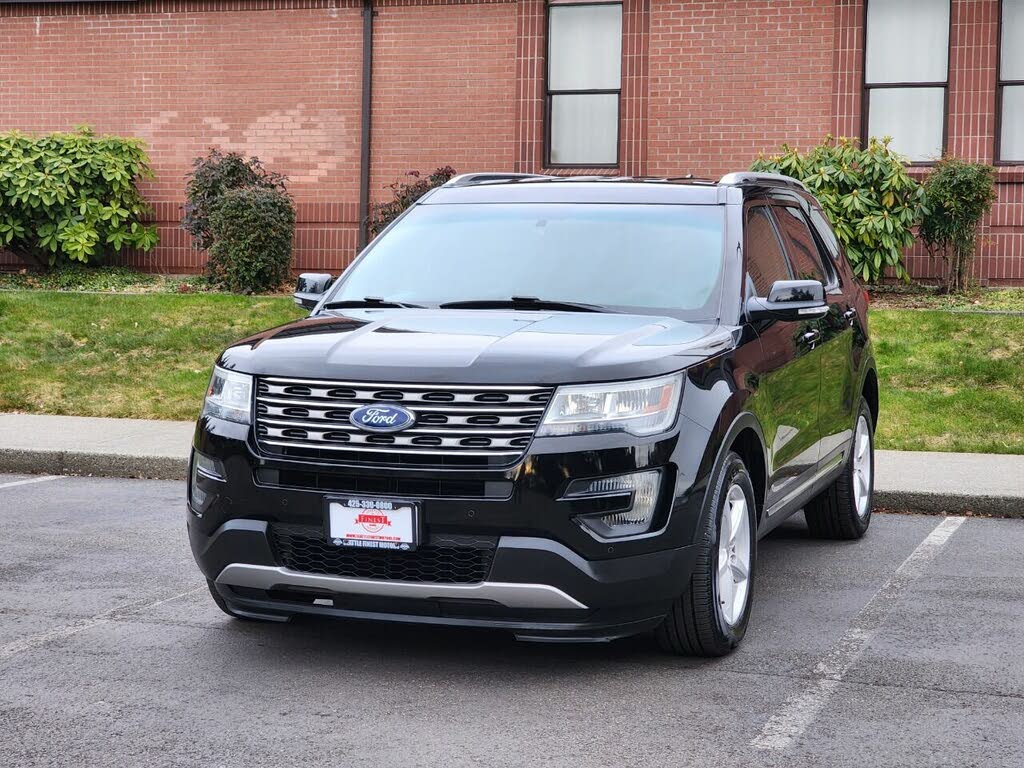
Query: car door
{"x": 788, "y": 372}
{"x": 831, "y": 338}
{"x": 843, "y": 331}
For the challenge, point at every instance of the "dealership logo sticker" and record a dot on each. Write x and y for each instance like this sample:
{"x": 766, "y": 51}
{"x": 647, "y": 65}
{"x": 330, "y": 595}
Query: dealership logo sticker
{"x": 373, "y": 523}
{"x": 382, "y": 418}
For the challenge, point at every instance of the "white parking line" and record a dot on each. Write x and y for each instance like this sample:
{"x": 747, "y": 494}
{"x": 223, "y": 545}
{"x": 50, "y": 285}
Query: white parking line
{"x": 40, "y": 479}
{"x": 800, "y": 710}
{"x": 59, "y": 633}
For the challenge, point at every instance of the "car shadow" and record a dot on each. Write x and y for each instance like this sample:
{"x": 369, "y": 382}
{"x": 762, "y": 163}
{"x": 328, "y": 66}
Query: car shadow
{"x": 340, "y": 644}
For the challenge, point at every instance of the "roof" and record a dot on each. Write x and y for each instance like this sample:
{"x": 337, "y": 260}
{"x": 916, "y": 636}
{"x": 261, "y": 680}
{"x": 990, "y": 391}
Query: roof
{"x": 538, "y": 188}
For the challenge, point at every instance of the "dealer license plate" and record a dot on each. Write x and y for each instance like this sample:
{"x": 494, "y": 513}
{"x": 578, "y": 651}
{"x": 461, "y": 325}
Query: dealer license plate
{"x": 373, "y": 523}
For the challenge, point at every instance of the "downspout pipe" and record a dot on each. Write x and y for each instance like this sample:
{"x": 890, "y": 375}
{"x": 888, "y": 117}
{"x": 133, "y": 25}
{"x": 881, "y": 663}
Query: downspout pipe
{"x": 364, "y": 133}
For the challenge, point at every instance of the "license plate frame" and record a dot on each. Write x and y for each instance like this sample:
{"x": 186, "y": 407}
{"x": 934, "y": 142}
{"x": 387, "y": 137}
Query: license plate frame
{"x": 364, "y": 521}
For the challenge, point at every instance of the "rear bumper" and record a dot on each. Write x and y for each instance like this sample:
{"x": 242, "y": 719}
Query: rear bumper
{"x": 536, "y": 588}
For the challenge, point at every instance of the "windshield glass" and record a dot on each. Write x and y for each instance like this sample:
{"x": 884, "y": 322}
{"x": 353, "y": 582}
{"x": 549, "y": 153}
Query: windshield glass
{"x": 644, "y": 257}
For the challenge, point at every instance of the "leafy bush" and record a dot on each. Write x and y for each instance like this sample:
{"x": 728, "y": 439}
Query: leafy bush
{"x": 959, "y": 195}
{"x": 405, "y": 193}
{"x": 870, "y": 200}
{"x": 72, "y": 196}
{"x": 214, "y": 175}
{"x": 252, "y": 230}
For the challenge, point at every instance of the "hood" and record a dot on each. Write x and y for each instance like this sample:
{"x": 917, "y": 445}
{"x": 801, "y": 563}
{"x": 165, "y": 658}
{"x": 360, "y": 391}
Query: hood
{"x": 476, "y": 346}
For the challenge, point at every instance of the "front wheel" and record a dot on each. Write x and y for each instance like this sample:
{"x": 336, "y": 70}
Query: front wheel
{"x": 710, "y": 617}
{"x": 843, "y": 510}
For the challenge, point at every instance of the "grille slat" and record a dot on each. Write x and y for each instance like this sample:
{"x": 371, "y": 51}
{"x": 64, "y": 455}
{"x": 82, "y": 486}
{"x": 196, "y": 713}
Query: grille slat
{"x": 443, "y": 559}
{"x": 476, "y": 425}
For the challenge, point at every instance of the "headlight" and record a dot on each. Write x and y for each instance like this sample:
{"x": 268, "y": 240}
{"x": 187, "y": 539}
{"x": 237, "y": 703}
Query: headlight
{"x": 229, "y": 396}
{"x": 640, "y": 408}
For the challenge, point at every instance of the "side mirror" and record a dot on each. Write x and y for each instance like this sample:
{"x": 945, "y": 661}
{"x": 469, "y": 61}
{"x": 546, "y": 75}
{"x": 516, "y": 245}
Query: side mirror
{"x": 310, "y": 288}
{"x": 793, "y": 300}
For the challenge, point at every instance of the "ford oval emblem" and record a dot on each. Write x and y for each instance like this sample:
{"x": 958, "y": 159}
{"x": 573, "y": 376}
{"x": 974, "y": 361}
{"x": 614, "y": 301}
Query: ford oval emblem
{"x": 382, "y": 418}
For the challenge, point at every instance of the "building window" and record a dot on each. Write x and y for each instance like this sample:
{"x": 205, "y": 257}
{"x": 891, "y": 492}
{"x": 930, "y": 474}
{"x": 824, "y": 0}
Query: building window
{"x": 1011, "y": 83}
{"x": 906, "y": 73}
{"x": 584, "y": 84}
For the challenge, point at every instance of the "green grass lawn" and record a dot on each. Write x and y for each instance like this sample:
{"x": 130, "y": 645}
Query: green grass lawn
{"x": 135, "y": 356}
{"x": 949, "y": 381}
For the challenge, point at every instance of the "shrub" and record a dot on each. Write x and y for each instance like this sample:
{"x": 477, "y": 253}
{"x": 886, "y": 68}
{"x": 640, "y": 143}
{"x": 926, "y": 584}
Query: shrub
{"x": 252, "y": 230}
{"x": 72, "y": 197}
{"x": 867, "y": 195}
{"x": 405, "y": 193}
{"x": 959, "y": 195}
{"x": 214, "y": 175}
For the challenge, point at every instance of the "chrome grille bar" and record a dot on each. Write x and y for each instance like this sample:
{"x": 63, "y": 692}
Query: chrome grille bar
{"x": 476, "y": 424}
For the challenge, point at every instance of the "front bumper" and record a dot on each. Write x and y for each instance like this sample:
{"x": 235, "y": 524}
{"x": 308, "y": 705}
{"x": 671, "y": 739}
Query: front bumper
{"x": 536, "y": 588}
{"x": 548, "y": 578}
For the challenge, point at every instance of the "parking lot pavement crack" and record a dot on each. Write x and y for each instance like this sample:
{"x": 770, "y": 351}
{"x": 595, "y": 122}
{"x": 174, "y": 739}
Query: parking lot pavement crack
{"x": 933, "y": 689}
{"x": 68, "y": 630}
{"x": 800, "y": 710}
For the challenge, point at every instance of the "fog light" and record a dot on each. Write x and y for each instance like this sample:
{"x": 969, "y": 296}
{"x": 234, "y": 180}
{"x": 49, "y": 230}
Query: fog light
{"x": 204, "y": 470}
{"x": 639, "y": 492}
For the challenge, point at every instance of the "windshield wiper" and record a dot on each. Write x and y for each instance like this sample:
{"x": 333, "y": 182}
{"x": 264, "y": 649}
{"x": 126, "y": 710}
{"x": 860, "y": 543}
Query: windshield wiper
{"x": 369, "y": 301}
{"x": 525, "y": 302}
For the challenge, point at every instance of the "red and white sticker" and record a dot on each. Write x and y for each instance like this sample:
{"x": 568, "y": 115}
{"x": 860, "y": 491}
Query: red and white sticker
{"x": 373, "y": 523}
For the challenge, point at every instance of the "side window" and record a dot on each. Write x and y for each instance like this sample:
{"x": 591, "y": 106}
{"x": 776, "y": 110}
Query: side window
{"x": 803, "y": 251}
{"x": 766, "y": 262}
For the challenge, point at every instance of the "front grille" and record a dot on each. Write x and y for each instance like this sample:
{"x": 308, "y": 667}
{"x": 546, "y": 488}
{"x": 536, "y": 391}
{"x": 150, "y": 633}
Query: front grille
{"x": 443, "y": 559}
{"x": 448, "y": 485}
{"x": 456, "y": 425}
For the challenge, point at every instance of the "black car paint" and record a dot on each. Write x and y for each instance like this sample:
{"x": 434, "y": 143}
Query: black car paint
{"x": 786, "y": 391}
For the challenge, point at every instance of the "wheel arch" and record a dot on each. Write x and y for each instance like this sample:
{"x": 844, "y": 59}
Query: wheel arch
{"x": 744, "y": 436}
{"x": 869, "y": 390}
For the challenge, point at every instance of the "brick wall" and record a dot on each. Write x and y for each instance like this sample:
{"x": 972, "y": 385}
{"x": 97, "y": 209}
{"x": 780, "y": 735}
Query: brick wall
{"x": 728, "y": 80}
{"x": 443, "y": 98}
{"x": 281, "y": 83}
{"x": 706, "y": 85}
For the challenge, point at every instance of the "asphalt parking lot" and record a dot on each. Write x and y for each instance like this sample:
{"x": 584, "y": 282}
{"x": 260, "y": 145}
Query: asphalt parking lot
{"x": 903, "y": 649}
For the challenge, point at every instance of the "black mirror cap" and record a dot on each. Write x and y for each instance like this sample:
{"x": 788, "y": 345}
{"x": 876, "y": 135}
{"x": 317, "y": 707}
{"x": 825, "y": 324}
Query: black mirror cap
{"x": 792, "y": 300}
{"x": 310, "y": 288}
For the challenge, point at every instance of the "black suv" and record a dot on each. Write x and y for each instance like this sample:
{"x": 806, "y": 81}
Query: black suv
{"x": 565, "y": 407}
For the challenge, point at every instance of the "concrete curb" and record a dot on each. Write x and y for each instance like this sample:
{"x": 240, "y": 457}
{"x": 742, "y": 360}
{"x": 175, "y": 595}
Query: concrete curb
{"x": 17, "y": 461}
{"x": 951, "y": 504}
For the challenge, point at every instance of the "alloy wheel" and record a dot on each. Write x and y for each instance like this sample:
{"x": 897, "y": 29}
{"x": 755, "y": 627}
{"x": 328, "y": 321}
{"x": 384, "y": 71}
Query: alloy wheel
{"x": 862, "y": 467}
{"x": 734, "y": 554}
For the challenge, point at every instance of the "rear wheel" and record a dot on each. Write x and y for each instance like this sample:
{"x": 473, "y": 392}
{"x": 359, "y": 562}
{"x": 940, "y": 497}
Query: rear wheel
{"x": 843, "y": 510}
{"x": 710, "y": 617}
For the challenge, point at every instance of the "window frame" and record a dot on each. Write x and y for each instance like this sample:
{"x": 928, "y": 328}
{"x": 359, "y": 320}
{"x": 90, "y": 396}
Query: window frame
{"x": 1001, "y": 84}
{"x": 829, "y": 260}
{"x": 866, "y": 87}
{"x": 548, "y": 93}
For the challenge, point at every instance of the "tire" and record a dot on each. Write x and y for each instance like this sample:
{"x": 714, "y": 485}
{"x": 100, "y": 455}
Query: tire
{"x": 699, "y": 622}
{"x": 843, "y": 510}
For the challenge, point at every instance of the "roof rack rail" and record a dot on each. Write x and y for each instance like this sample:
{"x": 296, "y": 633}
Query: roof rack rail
{"x": 750, "y": 177}
{"x": 468, "y": 179}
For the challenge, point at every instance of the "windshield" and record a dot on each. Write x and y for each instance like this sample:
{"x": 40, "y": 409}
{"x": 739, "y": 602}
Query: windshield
{"x": 641, "y": 257}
